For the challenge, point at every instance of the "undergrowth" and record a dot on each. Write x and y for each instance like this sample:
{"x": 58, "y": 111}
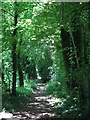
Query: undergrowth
{"x": 54, "y": 87}
{"x": 14, "y": 103}
{"x": 66, "y": 107}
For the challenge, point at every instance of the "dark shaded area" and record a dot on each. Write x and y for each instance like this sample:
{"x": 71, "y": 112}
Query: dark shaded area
{"x": 29, "y": 67}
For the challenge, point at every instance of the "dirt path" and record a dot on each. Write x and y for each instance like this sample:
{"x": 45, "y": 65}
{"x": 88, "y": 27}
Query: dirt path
{"x": 40, "y": 106}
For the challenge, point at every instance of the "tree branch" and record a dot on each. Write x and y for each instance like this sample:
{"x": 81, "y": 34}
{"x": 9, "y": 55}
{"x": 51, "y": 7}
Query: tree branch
{"x": 7, "y": 12}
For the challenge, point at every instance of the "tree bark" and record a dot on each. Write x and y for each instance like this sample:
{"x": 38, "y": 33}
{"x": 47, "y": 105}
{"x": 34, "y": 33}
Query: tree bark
{"x": 88, "y": 77}
{"x": 14, "y": 57}
{"x": 65, "y": 36}
{"x": 79, "y": 65}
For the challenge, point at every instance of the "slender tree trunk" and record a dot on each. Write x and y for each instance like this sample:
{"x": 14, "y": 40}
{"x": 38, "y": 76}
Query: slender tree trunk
{"x": 79, "y": 59}
{"x": 88, "y": 61}
{"x": 14, "y": 58}
{"x": 20, "y": 72}
{"x": 2, "y": 74}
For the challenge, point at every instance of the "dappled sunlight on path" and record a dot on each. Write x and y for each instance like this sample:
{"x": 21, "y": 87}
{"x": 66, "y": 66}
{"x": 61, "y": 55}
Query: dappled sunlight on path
{"x": 39, "y": 106}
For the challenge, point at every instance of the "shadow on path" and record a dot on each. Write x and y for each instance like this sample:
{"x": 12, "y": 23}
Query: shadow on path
{"x": 40, "y": 106}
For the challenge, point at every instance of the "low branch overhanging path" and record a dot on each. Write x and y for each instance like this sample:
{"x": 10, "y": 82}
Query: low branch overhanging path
{"x": 39, "y": 106}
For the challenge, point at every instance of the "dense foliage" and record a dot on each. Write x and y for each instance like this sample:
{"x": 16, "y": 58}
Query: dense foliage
{"x": 47, "y": 42}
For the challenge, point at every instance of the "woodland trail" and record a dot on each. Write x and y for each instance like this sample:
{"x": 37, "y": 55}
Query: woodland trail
{"x": 39, "y": 106}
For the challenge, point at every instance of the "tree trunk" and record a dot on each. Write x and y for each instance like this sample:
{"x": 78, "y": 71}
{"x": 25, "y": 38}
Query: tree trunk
{"x": 78, "y": 59}
{"x": 20, "y": 72}
{"x": 88, "y": 61}
{"x": 65, "y": 36}
{"x": 14, "y": 58}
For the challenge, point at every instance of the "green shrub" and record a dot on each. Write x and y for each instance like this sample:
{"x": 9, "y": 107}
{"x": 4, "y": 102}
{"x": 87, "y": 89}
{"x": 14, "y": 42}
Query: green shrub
{"x": 24, "y": 91}
{"x": 30, "y": 84}
{"x": 14, "y": 103}
{"x": 54, "y": 87}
